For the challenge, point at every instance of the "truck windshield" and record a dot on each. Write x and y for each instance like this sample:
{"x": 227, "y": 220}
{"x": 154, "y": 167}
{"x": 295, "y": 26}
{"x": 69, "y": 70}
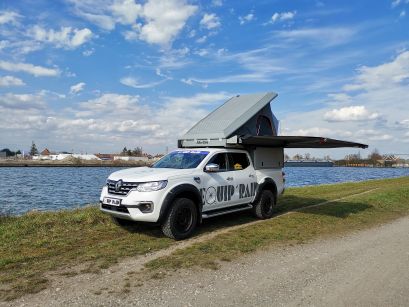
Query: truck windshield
{"x": 181, "y": 159}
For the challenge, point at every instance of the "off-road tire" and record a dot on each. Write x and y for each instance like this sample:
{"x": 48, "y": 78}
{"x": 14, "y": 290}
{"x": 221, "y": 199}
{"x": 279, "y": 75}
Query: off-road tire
{"x": 265, "y": 206}
{"x": 122, "y": 222}
{"x": 181, "y": 219}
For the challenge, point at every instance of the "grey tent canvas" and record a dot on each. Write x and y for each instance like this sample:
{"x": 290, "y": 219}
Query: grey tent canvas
{"x": 240, "y": 115}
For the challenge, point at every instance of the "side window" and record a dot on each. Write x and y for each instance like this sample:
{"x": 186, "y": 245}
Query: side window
{"x": 238, "y": 161}
{"x": 220, "y": 159}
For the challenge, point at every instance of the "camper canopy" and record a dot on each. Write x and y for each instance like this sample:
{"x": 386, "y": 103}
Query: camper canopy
{"x": 247, "y": 120}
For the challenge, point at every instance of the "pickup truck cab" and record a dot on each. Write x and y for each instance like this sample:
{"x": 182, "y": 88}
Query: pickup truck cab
{"x": 188, "y": 185}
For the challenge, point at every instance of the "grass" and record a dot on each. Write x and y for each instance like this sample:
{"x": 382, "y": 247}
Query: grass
{"x": 389, "y": 201}
{"x": 35, "y": 245}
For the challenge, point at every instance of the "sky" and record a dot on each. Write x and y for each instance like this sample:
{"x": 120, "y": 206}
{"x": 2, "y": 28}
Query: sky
{"x": 94, "y": 76}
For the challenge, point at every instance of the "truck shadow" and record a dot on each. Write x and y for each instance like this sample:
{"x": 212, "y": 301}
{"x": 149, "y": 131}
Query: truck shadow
{"x": 286, "y": 204}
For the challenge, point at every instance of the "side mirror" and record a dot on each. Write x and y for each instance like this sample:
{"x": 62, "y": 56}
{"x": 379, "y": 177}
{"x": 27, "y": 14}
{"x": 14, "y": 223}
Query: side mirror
{"x": 212, "y": 168}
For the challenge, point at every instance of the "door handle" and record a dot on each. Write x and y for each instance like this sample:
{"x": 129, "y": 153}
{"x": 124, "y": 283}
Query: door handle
{"x": 251, "y": 176}
{"x": 229, "y": 178}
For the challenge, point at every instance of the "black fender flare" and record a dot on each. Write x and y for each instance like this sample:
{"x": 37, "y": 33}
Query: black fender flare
{"x": 269, "y": 184}
{"x": 187, "y": 190}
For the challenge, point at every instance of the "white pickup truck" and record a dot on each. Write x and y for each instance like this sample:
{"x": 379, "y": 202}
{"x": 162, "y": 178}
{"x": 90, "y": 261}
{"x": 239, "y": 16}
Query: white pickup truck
{"x": 189, "y": 185}
{"x": 231, "y": 160}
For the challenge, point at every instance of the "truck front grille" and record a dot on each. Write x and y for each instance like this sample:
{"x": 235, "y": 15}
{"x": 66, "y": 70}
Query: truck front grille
{"x": 120, "y": 187}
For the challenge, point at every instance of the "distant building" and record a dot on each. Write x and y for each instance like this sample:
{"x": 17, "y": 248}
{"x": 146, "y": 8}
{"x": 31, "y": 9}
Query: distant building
{"x": 105, "y": 157}
{"x": 3, "y": 155}
{"x": 45, "y": 152}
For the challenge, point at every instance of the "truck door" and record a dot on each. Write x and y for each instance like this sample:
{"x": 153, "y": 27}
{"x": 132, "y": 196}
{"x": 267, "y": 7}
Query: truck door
{"x": 218, "y": 187}
{"x": 244, "y": 177}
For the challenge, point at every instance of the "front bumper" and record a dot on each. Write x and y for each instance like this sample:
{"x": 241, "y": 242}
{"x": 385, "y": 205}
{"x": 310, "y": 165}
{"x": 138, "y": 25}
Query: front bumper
{"x": 130, "y": 203}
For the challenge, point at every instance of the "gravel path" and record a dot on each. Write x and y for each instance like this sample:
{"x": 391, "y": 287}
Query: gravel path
{"x": 367, "y": 268}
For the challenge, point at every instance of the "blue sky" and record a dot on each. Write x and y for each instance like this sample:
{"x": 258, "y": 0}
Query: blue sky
{"x": 95, "y": 76}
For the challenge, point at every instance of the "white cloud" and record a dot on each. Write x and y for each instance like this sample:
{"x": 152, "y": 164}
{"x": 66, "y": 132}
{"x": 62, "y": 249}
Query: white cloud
{"x": 217, "y": 2}
{"x": 8, "y": 17}
{"x": 66, "y": 37}
{"x": 352, "y": 113}
{"x": 402, "y": 14}
{"x": 161, "y": 28}
{"x": 247, "y": 18}
{"x": 155, "y": 21}
{"x": 88, "y": 52}
{"x": 328, "y": 36}
{"x": 210, "y": 21}
{"x": 382, "y": 76}
{"x": 202, "y": 52}
{"x": 284, "y": 16}
{"x": 126, "y": 11}
{"x": 187, "y": 81}
{"x": 132, "y": 82}
{"x": 202, "y": 39}
{"x": 395, "y": 3}
{"x": 76, "y": 88}
{"x": 402, "y": 123}
{"x": 7, "y": 81}
{"x": 103, "y": 21}
{"x": 21, "y": 101}
{"x": 110, "y": 121}
{"x": 373, "y": 135}
{"x": 37, "y": 71}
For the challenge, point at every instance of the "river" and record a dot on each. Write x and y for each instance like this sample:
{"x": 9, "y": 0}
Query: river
{"x": 51, "y": 188}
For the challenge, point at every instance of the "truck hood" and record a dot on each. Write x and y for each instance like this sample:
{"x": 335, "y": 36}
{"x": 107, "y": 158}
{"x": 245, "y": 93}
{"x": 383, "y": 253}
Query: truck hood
{"x": 145, "y": 174}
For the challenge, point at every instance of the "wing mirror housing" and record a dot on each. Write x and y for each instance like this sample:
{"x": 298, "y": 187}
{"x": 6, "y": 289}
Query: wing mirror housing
{"x": 212, "y": 167}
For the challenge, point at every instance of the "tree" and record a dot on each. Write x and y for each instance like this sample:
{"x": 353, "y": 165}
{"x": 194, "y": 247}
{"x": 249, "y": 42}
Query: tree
{"x": 8, "y": 152}
{"x": 137, "y": 152}
{"x": 375, "y": 156}
{"x": 327, "y": 158}
{"x": 297, "y": 157}
{"x": 33, "y": 149}
{"x": 124, "y": 151}
{"x": 286, "y": 157}
{"x": 307, "y": 156}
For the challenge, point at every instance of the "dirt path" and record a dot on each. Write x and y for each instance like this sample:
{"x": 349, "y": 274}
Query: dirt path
{"x": 365, "y": 268}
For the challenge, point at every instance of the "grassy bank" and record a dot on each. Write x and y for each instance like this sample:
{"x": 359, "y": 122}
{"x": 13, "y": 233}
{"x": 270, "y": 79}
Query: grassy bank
{"x": 35, "y": 244}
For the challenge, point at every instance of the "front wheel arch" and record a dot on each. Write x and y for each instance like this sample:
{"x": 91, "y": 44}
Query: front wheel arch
{"x": 181, "y": 191}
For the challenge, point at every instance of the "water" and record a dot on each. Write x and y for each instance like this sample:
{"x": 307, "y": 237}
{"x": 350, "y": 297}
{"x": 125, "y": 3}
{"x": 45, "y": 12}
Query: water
{"x": 51, "y": 188}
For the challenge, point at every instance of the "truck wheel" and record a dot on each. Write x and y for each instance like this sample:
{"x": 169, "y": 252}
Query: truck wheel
{"x": 181, "y": 219}
{"x": 121, "y": 222}
{"x": 264, "y": 208}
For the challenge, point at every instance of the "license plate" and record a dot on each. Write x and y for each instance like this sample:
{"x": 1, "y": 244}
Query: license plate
{"x": 112, "y": 201}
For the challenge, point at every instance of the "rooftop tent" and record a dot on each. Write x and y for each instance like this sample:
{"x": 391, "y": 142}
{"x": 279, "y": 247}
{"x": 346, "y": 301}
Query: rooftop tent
{"x": 240, "y": 115}
{"x": 247, "y": 120}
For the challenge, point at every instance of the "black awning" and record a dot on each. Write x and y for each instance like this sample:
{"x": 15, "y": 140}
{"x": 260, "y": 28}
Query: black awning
{"x": 297, "y": 142}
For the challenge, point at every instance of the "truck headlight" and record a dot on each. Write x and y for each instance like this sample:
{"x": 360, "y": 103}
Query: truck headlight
{"x": 152, "y": 186}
